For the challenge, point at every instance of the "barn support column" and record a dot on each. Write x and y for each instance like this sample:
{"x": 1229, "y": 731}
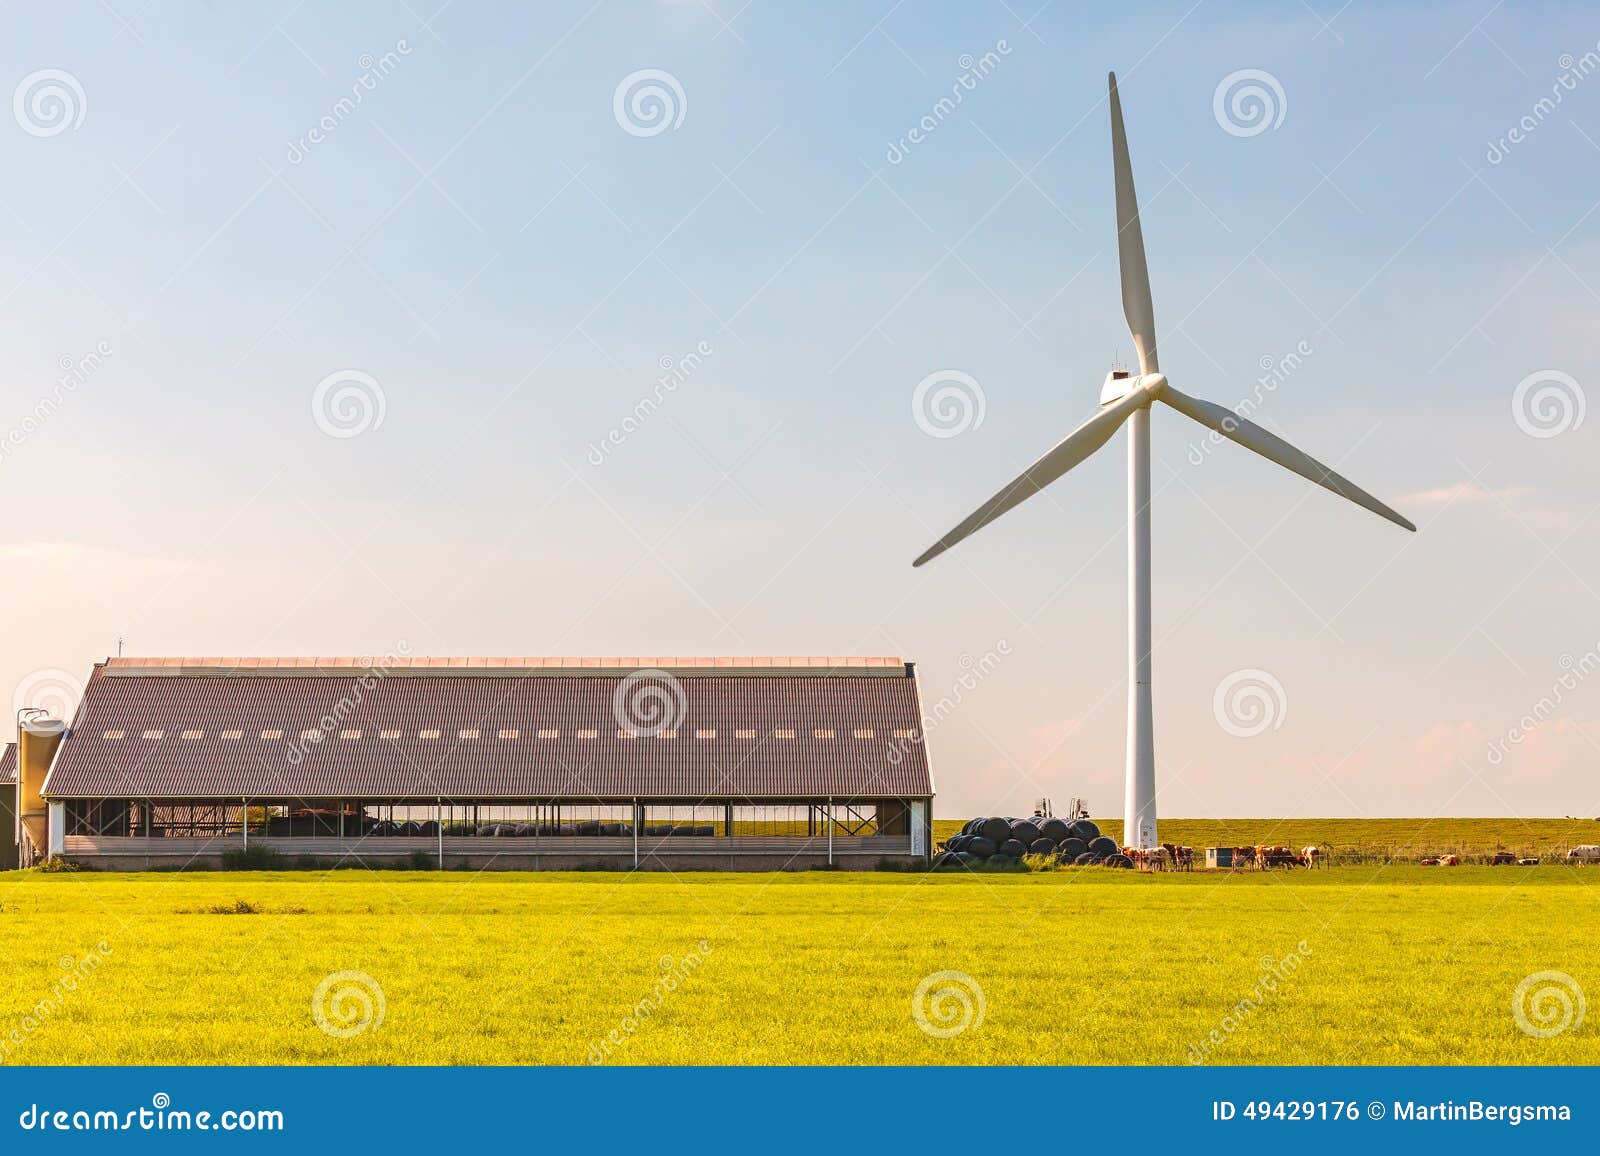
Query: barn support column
{"x": 438, "y": 813}
{"x": 830, "y": 832}
{"x": 58, "y": 829}
{"x": 636, "y": 813}
{"x": 921, "y": 821}
{"x": 727, "y": 820}
{"x": 244, "y": 821}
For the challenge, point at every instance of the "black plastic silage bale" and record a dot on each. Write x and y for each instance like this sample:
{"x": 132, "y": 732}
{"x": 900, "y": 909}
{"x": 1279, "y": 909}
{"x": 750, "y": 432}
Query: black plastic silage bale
{"x": 1015, "y": 848}
{"x": 1085, "y": 829}
{"x": 1103, "y": 846}
{"x": 1054, "y": 829}
{"x": 997, "y": 831}
{"x": 1024, "y": 831}
{"x": 1071, "y": 848}
{"x": 1042, "y": 846}
{"x": 1085, "y": 859}
{"x": 980, "y": 847}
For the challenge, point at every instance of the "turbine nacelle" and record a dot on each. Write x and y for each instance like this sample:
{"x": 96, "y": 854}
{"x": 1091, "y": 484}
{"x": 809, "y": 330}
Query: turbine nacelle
{"x": 1120, "y": 383}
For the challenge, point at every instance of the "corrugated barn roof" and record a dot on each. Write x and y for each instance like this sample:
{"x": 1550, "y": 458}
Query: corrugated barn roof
{"x": 8, "y": 764}
{"x": 237, "y": 728}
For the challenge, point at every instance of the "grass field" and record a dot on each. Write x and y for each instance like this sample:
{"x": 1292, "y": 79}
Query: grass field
{"x": 1394, "y": 965}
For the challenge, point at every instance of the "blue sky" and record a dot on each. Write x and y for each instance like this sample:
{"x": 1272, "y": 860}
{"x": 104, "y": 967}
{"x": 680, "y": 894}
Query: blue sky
{"x": 483, "y": 238}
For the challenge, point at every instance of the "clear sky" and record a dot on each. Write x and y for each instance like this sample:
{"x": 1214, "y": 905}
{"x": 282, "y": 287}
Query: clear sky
{"x": 208, "y": 211}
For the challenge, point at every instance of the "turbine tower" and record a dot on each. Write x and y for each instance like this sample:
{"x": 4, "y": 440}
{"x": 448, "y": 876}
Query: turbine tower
{"x": 1126, "y": 397}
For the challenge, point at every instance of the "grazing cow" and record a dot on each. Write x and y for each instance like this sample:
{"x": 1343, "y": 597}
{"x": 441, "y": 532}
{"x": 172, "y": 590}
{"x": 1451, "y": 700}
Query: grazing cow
{"x": 1275, "y": 856}
{"x": 1502, "y": 859}
{"x": 1584, "y": 853}
{"x": 1313, "y": 856}
{"x": 1430, "y": 862}
{"x": 1148, "y": 859}
{"x": 1449, "y": 861}
{"x": 1528, "y": 862}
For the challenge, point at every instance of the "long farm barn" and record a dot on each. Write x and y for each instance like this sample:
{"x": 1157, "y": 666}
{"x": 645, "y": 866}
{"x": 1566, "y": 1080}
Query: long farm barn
{"x": 743, "y": 763}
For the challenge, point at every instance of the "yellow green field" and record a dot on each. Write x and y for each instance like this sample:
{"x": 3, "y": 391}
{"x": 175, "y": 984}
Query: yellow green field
{"x": 1349, "y": 965}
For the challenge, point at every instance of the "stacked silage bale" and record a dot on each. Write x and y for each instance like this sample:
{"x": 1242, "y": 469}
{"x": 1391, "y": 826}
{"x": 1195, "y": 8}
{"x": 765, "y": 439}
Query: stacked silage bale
{"x": 998, "y": 842}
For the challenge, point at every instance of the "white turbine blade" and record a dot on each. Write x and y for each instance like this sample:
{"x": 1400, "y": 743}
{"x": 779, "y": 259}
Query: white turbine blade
{"x": 1137, "y": 306}
{"x": 1068, "y": 452}
{"x": 1272, "y": 447}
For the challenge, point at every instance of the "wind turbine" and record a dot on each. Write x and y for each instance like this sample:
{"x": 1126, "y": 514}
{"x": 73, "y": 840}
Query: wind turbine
{"x": 1128, "y": 398}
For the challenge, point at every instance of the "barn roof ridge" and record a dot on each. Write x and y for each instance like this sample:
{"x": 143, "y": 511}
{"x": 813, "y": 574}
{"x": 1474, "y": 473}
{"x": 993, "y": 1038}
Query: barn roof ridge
{"x": 534, "y": 666}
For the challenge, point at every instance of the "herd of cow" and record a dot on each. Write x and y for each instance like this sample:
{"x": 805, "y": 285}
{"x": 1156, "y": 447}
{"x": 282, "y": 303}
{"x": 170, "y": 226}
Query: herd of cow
{"x": 1266, "y": 855}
